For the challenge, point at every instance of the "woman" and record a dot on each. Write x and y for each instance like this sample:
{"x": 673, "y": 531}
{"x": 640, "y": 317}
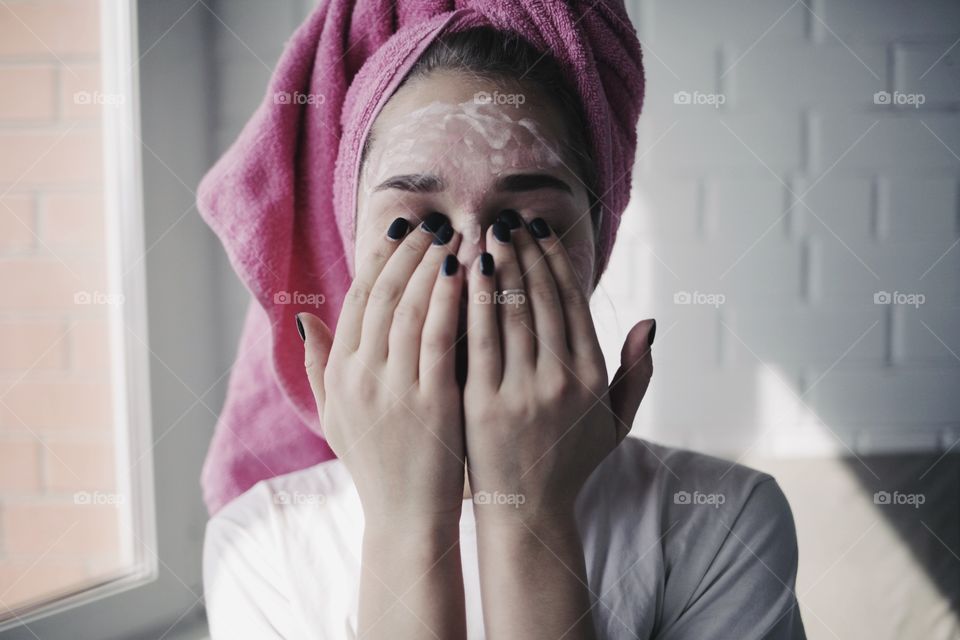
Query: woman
{"x": 483, "y": 485}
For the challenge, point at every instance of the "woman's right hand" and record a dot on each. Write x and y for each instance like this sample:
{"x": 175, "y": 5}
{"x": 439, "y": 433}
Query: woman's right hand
{"x": 385, "y": 383}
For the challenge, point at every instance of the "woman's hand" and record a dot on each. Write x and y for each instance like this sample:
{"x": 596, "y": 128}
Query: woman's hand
{"x": 390, "y": 407}
{"x": 540, "y": 415}
{"x": 385, "y": 385}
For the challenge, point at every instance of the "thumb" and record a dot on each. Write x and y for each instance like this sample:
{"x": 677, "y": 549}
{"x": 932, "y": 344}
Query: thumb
{"x": 317, "y": 341}
{"x": 633, "y": 377}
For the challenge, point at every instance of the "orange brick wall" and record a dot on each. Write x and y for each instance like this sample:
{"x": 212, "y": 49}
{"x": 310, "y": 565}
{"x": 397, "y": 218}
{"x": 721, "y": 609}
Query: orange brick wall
{"x": 55, "y": 404}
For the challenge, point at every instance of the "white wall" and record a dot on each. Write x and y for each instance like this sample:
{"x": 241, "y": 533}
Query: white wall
{"x": 797, "y": 199}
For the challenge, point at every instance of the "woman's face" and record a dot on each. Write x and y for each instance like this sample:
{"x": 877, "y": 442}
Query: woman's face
{"x": 469, "y": 148}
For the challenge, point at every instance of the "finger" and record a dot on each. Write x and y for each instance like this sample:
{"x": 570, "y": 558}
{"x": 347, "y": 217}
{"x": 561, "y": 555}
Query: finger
{"x": 317, "y": 342}
{"x": 438, "y": 355}
{"x": 580, "y": 332}
{"x": 630, "y": 383}
{"x": 354, "y": 304}
{"x": 483, "y": 334}
{"x": 409, "y": 317}
{"x": 544, "y": 301}
{"x": 390, "y": 285}
{"x": 513, "y": 314}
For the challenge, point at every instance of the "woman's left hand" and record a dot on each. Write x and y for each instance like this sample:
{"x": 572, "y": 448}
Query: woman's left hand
{"x": 539, "y": 414}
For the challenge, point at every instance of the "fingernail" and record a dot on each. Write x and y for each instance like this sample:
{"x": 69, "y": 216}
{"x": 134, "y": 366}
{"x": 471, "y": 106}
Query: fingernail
{"x": 653, "y": 332}
{"x": 501, "y": 231}
{"x": 443, "y": 234}
{"x": 511, "y": 218}
{"x": 433, "y": 222}
{"x": 486, "y": 264}
{"x": 539, "y": 228}
{"x": 303, "y": 335}
{"x": 398, "y": 229}
{"x": 450, "y": 265}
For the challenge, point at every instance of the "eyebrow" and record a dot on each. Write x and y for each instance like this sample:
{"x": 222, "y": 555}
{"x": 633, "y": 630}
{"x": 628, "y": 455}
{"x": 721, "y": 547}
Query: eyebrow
{"x": 518, "y": 182}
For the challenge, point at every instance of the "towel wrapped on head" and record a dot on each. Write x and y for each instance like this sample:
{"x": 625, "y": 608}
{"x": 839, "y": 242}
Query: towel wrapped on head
{"x": 282, "y": 199}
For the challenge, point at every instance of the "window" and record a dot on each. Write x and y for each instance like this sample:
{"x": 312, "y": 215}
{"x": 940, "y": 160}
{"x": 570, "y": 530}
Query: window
{"x": 76, "y": 499}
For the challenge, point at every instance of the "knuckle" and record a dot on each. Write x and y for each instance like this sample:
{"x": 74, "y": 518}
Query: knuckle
{"x": 408, "y": 316}
{"x": 386, "y": 291}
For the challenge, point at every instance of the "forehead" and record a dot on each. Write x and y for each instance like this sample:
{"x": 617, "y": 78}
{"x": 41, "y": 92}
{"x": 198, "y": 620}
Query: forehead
{"x": 467, "y": 128}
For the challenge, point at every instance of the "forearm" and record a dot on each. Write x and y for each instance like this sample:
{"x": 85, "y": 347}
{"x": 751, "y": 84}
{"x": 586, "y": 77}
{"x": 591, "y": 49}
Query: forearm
{"x": 533, "y": 580}
{"x": 412, "y": 582}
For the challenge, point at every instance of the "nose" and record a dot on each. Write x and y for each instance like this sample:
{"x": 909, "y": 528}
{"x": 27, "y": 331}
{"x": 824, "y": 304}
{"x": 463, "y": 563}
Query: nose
{"x": 473, "y": 243}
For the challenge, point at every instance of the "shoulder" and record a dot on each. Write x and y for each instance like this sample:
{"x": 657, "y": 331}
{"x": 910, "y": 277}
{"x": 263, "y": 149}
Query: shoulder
{"x": 271, "y": 507}
{"x": 726, "y": 536}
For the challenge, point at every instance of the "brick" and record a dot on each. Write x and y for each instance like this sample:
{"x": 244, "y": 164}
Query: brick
{"x": 81, "y": 93}
{"x": 745, "y": 208}
{"x": 37, "y": 346}
{"x": 745, "y": 273}
{"x": 839, "y": 274}
{"x": 19, "y": 464}
{"x": 30, "y": 579}
{"x": 66, "y": 528}
{"x": 899, "y": 143}
{"x": 774, "y": 21}
{"x": 76, "y": 466}
{"x": 29, "y": 93}
{"x": 89, "y": 345}
{"x": 49, "y": 284}
{"x": 75, "y": 220}
{"x": 664, "y": 207}
{"x": 920, "y": 208}
{"x": 928, "y": 334}
{"x": 17, "y": 222}
{"x": 50, "y": 158}
{"x": 924, "y": 69}
{"x": 50, "y": 29}
{"x": 834, "y": 205}
{"x": 775, "y": 75}
{"x": 885, "y": 20}
{"x": 798, "y": 336}
{"x": 723, "y": 143}
{"x": 878, "y": 398}
{"x": 57, "y": 406}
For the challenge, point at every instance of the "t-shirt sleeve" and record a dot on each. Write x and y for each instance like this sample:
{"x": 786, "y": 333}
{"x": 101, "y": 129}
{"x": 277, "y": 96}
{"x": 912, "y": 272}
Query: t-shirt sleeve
{"x": 242, "y": 580}
{"x": 748, "y": 588}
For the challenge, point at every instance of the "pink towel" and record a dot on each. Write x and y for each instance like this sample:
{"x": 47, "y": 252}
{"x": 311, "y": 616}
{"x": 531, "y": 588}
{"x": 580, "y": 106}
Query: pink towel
{"x": 281, "y": 199}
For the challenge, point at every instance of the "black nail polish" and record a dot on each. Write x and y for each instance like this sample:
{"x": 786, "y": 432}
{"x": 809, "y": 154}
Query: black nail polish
{"x": 511, "y": 218}
{"x": 398, "y": 229}
{"x": 501, "y": 231}
{"x": 450, "y": 265}
{"x": 433, "y": 222}
{"x": 303, "y": 335}
{"x": 539, "y": 228}
{"x": 653, "y": 332}
{"x": 486, "y": 264}
{"x": 443, "y": 234}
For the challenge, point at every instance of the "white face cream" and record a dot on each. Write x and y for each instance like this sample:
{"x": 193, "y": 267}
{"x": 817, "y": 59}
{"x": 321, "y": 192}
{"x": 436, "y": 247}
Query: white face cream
{"x": 467, "y": 144}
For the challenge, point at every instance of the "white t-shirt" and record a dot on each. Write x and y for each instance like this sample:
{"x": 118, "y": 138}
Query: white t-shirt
{"x": 678, "y": 545}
